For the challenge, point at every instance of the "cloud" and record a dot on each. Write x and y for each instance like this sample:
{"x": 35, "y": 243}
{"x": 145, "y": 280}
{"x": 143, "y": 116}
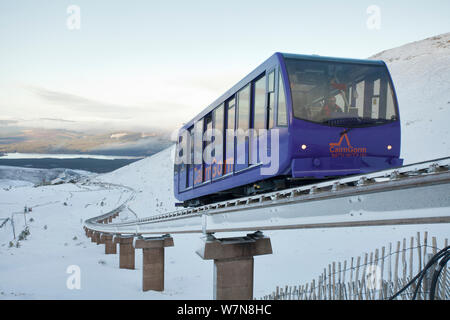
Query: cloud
{"x": 8, "y": 122}
{"x": 56, "y": 120}
{"x": 164, "y": 111}
{"x": 85, "y": 105}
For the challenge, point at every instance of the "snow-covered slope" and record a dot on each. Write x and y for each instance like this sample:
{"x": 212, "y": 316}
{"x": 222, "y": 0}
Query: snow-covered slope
{"x": 151, "y": 178}
{"x": 421, "y": 75}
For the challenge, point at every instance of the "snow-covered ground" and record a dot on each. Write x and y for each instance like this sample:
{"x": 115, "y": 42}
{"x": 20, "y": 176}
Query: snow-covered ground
{"x": 37, "y": 268}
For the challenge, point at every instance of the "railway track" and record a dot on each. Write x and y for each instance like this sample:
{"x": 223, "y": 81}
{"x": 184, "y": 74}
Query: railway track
{"x": 384, "y": 197}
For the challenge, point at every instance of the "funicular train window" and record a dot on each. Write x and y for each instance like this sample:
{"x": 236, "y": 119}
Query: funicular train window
{"x": 243, "y": 125}
{"x": 281, "y": 111}
{"x": 244, "y": 108}
{"x": 229, "y": 137}
{"x": 190, "y": 156}
{"x": 259, "y": 115}
{"x": 271, "y": 99}
{"x": 180, "y": 165}
{"x": 198, "y": 152}
{"x": 218, "y": 140}
{"x": 180, "y": 141}
{"x": 206, "y": 157}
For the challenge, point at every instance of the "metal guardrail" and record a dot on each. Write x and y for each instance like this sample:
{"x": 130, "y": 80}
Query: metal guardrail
{"x": 351, "y": 201}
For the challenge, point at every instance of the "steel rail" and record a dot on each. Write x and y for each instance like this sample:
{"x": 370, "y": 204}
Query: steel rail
{"x": 385, "y": 197}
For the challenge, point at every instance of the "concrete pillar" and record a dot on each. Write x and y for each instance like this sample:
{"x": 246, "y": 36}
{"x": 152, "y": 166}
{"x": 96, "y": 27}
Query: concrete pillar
{"x": 153, "y": 261}
{"x": 97, "y": 237}
{"x": 93, "y": 236}
{"x": 126, "y": 252}
{"x": 110, "y": 246}
{"x": 233, "y": 263}
{"x": 101, "y": 239}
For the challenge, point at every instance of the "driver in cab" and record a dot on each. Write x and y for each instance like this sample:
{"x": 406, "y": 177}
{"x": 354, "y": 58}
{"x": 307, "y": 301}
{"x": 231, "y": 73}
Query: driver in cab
{"x": 330, "y": 108}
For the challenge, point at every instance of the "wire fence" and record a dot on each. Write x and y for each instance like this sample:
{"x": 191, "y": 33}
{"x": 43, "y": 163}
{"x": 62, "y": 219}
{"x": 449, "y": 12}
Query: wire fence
{"x": 376, "y": 275}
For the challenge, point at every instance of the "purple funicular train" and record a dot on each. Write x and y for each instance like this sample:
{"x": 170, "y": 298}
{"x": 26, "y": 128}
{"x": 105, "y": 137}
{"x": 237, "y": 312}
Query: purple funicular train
{"x": 306, "y": 118}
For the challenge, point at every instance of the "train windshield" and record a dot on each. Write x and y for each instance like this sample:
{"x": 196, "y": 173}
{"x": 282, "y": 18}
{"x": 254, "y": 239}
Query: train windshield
{"x": 341, "y": 94}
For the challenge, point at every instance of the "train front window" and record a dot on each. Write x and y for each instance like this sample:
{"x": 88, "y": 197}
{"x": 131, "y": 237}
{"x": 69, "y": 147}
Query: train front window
{"x": 341, "y": 94}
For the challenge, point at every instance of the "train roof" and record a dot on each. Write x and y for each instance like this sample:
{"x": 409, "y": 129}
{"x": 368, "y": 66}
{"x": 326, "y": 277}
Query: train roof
{"x": 330, "y": 59}
{"x": 275, "y": 59}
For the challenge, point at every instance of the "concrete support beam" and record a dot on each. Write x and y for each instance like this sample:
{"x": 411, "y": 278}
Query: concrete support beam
{"x": 126, "y": 251}
{"x": 110, "y": 246}
{"x": 233, "y": 263}
{"x": 153, "y": 261}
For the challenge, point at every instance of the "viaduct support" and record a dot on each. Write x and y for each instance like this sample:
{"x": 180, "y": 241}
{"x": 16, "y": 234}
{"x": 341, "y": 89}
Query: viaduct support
{"x": 234, "y": 263}
{"x": 126, "y": 251}
{"x": 153, "y": 261}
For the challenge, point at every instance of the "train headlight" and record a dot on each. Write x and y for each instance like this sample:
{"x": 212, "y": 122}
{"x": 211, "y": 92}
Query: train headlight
{"x": 389, "y": 147}
{"x": 304, "y": 147}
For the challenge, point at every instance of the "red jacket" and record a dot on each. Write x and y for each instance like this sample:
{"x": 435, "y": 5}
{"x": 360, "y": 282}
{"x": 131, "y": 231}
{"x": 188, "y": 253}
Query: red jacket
{"x": 327, "y": 110}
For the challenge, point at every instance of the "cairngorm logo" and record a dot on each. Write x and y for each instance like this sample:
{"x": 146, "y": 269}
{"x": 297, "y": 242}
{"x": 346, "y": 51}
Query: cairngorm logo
{"x": 339, "y": 150}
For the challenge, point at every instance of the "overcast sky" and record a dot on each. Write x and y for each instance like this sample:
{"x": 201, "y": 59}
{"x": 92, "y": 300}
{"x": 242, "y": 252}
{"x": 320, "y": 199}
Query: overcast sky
{"x": 146, "y": 64}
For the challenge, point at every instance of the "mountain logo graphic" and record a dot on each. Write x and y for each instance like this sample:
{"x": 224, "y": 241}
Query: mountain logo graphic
{"x": 346, "y": 150}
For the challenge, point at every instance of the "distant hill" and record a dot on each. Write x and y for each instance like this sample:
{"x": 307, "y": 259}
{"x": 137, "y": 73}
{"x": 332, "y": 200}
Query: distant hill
{"x": 32, "y": 140}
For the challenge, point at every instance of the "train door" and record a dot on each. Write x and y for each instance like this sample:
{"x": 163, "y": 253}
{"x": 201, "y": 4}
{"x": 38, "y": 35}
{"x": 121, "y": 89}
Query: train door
{"x": 243, "y": 124}
{"x": 218, "y": 125}
{"x": 198, "y": 152}
{"x": 229, "y": 136}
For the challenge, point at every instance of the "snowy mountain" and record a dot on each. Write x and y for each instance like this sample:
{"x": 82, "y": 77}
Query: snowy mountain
{"x": 421, "y": 75}
{"x": 40, "y": 176}
{"x": 36, "y": 269}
